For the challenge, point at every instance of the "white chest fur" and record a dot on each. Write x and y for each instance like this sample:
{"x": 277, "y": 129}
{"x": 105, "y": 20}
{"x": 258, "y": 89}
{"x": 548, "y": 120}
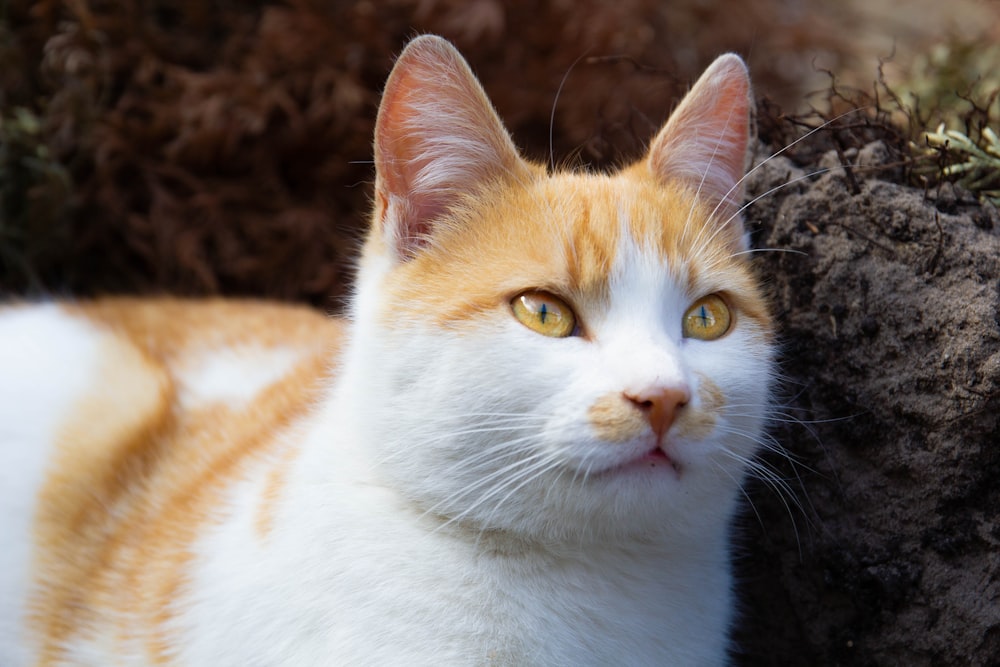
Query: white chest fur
{"x": 367, "y": 580}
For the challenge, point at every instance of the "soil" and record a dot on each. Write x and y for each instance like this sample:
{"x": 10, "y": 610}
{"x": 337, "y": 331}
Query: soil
{"x": 880, "y": 544}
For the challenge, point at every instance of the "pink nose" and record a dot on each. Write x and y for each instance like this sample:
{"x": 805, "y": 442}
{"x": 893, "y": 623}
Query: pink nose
{"x": 660, "y": 405}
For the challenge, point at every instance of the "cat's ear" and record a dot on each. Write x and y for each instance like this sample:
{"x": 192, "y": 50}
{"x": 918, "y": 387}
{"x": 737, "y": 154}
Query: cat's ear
{"x": 704, "y": 142}
{"x": 437, "y": 139}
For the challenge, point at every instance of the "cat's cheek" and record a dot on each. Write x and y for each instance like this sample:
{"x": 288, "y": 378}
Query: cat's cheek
{"x": 614, "y": 420}
{"x": 698, "y": 421}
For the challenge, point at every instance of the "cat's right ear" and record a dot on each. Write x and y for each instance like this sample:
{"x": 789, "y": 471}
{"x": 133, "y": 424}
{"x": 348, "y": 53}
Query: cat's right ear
{"x": 437, "y": 139}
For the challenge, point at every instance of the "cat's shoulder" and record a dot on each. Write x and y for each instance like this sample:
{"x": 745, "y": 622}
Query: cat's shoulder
{"x": 170, "y": 326}
{"x": 164, "y": 328}
{"x": 114, "y": 364}
{"x": 115, "y": 412}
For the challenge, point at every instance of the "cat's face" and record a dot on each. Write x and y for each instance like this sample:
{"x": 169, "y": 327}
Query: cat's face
{"x": 564, "y": 354}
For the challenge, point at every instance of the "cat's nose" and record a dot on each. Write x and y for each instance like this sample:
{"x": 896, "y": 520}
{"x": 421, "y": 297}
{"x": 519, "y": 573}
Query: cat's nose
{"x": 660, "y": 406}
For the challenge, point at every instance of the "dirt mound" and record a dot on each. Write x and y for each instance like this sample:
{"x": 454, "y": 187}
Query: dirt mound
{"x": 889, "y": 304}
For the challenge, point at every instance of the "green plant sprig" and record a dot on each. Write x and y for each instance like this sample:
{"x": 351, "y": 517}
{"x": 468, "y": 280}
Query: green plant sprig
{"x": 974, "y": 166}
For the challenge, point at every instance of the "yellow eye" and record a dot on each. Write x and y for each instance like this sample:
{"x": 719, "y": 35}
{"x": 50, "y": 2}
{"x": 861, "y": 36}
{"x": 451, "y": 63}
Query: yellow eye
{"x": 708, "y": 318}
{"x": 544, "y": 313}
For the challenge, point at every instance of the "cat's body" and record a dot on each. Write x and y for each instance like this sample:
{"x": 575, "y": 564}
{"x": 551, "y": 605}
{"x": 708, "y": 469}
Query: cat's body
{"x": 524, "y": 448}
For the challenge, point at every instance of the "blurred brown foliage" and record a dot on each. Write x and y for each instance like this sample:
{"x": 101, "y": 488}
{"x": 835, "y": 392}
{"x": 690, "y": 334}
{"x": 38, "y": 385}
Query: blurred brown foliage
{"x": 224, "y": 147}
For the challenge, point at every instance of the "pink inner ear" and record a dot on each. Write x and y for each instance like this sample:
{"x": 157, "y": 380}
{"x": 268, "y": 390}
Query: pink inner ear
{"x": 437, "y": 139}
{"x": 400, "y": 160}
{"x": 704, "y": 142}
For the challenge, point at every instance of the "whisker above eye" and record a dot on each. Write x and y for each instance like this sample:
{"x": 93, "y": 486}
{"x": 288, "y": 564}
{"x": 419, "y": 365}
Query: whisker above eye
{"x": 775, "y": 154}
{"x": 717, "y": 229}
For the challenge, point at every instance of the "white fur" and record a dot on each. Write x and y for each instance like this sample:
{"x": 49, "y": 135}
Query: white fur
{"x": 48, "y": 360}
{"x": 232, "y": 375}
{"x": 362, "y": 569}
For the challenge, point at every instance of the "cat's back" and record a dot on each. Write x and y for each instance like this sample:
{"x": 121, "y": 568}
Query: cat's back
{"x": 114, "y": 414}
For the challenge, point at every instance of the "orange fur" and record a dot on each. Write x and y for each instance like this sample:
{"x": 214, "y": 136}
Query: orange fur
{"x": 698, "y": 422}
{"x": 271, "y": 495}
{"x": 135, "y": 478}
{"x": 615, "y": 418}
{"x": 561, "y": 234}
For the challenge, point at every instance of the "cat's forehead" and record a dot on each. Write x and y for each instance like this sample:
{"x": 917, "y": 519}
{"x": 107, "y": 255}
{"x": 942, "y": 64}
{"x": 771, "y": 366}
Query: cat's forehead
{"x": 577, "y": 235}
{"x": 609, "y": 225}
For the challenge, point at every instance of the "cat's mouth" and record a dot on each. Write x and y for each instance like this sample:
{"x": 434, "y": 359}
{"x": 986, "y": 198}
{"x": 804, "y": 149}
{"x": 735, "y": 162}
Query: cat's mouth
{"x": 655, "y": 458}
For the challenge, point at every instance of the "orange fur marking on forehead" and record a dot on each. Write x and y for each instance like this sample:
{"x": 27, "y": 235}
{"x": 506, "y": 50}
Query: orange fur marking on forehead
{"x": 562, "y": 233}
{"x": 467, "y": 223}
{"x": 508, "y": 238}
{"x": 135, "y": 480}
{"x": 592, "y": 235}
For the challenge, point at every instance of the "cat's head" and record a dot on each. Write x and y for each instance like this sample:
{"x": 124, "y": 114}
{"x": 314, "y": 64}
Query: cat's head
{"x": 559, "y": 354}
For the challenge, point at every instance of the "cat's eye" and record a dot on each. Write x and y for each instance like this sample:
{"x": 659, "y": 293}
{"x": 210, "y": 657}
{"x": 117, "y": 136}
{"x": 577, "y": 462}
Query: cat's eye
{"x": 544, "y": 313}
{"x": 708, "y": 318}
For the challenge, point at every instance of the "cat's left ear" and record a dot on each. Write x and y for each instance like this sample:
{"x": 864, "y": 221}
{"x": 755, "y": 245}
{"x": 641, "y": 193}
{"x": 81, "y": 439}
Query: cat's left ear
{"x": 704, "y": 143}
{"x": 437, "y": 140}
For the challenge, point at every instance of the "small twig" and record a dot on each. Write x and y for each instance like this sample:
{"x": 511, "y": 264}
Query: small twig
{"x": 848, "y": 170}
{"x": 932, "y": 264}
{"x": 863, "y": 236}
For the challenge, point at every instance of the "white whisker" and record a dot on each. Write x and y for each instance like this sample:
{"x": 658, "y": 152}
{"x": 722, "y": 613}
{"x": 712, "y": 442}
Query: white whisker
{"x": 718, "y": 227}
{"x": 704, "y": 175}
{"x": 449, "y": 435}
{"x": 779, "y": 152}
{"x": 759, "y": 470}
{"x": 743, "y": 491}
{"x": 756, "y": 250}
{"x": 531, "y": 465}
{"x": 551, "y": 463}
{"x": 555, "y": 103}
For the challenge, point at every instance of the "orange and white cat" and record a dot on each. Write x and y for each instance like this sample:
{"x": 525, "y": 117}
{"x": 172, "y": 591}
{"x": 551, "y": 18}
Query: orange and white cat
{"x": 524, "y": 446}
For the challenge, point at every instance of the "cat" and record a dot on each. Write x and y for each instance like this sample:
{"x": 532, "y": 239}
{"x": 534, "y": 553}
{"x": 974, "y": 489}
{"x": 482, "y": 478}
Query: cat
{"x": 524, "y": 445}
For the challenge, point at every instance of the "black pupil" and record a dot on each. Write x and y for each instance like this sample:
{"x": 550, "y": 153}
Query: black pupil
{"x": 543, "y": 313}
{"x": 703, "y": 314}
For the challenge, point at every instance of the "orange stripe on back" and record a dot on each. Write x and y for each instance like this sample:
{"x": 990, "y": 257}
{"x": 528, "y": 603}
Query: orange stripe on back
{"x": 136, "y": 480}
